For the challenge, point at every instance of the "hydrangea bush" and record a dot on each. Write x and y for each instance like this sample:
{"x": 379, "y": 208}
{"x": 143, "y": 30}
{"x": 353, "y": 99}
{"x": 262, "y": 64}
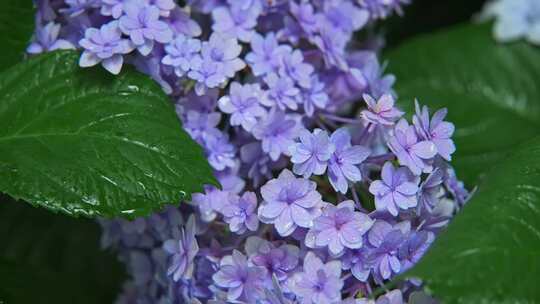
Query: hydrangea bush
{"x": 328, "y": 189}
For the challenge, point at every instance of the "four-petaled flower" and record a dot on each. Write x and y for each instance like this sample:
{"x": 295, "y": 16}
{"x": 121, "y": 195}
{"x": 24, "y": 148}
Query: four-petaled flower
{"x": 266, "y": 53}
{"x": 339, "y": 227}
{"x": 277, "y": 132}
{"x": 243, "y": 282}
{"x": 243, "y": 104}
{"x": 239, "y": 212}
{"x": 380, "y": 112}
{"x": 238, "y": 19}
{"x": 410, "y": 151}
{"x": 385, "y": 240}
{"x": 182, "y": 54}
{"x": 396, "y": 189}
{"x": 319, "y": 283}
{"x": 279, "y": 261}
{"x": 282, "y": 92}
{"x": 310, "y": 156}
{"x": 105, "y": 46}
{"x": 141, "y": 23}
{"x": 224, "y": 51}
{"x": 343, "y": 164}
{"x": 437, "y": 131}
{"x": 289, "y": 202}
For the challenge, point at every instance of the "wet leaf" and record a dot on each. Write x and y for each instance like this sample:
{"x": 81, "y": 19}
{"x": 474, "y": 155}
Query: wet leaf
{"x": 489, "y": 253}
{"x": 84, "y": 142}
{"x": 492, "y": 91}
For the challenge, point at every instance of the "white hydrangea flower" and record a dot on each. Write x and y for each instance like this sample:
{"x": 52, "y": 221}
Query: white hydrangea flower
{"x": 514, "y": 19}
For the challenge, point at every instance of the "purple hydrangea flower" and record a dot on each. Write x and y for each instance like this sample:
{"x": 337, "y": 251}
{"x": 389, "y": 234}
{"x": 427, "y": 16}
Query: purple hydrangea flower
{"x": 105, "y": 46}
{"x": 266, "y": 54}
{"x": 455, "y": 186}
{"x": 243, "y": 282}
{"x": 289, "y": 202}
{"x": 356, "y": 261}
{"x": 279, "y": 261}
{"x": 339, "y": 227}
{"x": 197, "y": 124}
{"x": 240, "y": 214}
{"x": 243, "y": 104}
{"x": 381, "y": 9}
{"x": 183, "y": 251}
{"x": 397, "y": 189}
{"x": 414, "y": 248}
{"x": 363, "y": 76}
{"x": 380, "y": 112}
{"x": 437, "y": 131}
{"x": 141, "y": 22}
{"x": 277, "y": 133}
{"x": 310, "y": 156}
{"x": 182, "y": 54}
{"x": 113, "y": 8}
{"x": 305, "y": 16}
{"x": 224, "y": 51}
{"x": 385, "y": 240}
{"x": 220, "y": 152}
{"x": 46, "y": 40}
{"x": 332, "y": 46}
{"x": 410, "y": 151}
{"x": 181, "y": 23}
{"x": 315, "y": 97}
{"x": 294, "y": 67}
{"x": 275, "y": 294}
{"x": 165, "y": 6}
{"x": 237, "y": 20}
{"x": 282, "y": 92}
{"x": 208, "y": 74}
{"x": 210, "y": 202}
{"x": 392, "y": 297}
{"x": 258, "y": 163}
{"x": 319, "y": 283}
{"x": 430, "y": 191}
{"x": 344, "y": 16}
{"x": 342, "y": 165}
{"x": 77, "y": 7}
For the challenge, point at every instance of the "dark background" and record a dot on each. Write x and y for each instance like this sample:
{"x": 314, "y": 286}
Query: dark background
{"x": 424, "y": 16}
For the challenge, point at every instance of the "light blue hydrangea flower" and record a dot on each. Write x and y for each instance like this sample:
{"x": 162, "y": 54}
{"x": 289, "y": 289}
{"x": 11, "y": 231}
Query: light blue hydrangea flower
{"x": 106, "y": 46}
{"x": 141, "y": 23}
{"x": 514, "y": 19}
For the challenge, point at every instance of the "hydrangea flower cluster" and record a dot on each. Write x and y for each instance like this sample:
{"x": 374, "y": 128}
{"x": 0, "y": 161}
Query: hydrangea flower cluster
{"x": 327, "y": 190}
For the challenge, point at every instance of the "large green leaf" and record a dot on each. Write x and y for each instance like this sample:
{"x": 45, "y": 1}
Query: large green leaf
{"x": 491, "y": 251}
{"x": 16, "y": 26}
{"x": 82, "y": 141}
{"x": 51, "y": 258}
{"x": 492, "y": 91}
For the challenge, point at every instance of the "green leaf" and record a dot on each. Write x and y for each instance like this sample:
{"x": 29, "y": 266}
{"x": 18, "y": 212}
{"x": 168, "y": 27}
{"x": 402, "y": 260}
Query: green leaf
{"x": 490, "y": 252}
{"x": 492, "y": 91}
{"x": 50, "y": 258}
{"x": 84, "y": 142}
{"x": 16, "y": 27}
